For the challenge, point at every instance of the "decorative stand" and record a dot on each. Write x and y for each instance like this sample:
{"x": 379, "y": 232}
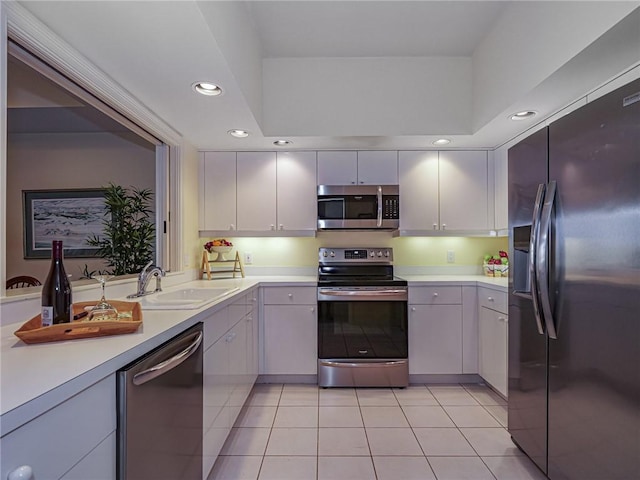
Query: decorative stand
{"x": 205, "y": 268}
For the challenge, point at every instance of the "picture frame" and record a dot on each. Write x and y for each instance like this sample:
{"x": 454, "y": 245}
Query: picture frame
{"x": 70, "y": 215}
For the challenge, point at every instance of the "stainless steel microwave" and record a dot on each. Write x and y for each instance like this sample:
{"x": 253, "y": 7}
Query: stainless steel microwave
{"x": 358, "y": 207}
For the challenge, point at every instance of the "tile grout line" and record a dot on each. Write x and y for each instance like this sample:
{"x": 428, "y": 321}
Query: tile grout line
{"x": 415, "y": 436}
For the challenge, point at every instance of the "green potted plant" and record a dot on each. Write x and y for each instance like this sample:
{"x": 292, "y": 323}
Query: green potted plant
{"x": 128, "y": 239}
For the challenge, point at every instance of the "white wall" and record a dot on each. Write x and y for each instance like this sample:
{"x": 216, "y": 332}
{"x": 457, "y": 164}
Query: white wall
{"x": 60, "y": 161}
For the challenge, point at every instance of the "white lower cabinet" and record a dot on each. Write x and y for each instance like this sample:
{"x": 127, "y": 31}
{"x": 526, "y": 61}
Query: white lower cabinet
{"x": 69, "y": 441}
{"x": 443, "y": 333}
{"x": 435, "y": 339}
{"x": 290, "y": 331}
{"x": 99, "y": 464}
{"x": 493, "y": 338}
{"x": 230, "y": 370}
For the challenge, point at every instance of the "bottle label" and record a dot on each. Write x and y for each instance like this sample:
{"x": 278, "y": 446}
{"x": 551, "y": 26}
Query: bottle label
{"x": 47, "y": 316}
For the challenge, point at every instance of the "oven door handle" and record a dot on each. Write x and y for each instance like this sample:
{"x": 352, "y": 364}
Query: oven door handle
{"x": 361, "y": 293}
{"x": 367, "y": 364}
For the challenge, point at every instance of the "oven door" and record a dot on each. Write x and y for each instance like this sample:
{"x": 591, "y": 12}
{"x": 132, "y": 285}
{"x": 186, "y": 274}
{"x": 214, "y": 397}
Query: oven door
{"x": 362, "y": 337}
{"x": 362, "y": 322}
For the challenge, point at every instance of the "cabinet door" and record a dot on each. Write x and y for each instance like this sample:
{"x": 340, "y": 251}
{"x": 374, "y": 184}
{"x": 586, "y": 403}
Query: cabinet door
{"x": 378, "y": 168}
{"x": 501, "y": 188}
{"x": 418, "y": 175}
{"x": 256, "y": 191}
{"x": 493, "y": 348}
{"x": 337, "y": 168}
{"x": 218, "y": 191}
{"x": 290, "y": 339}
{"x": 464, "y": 201}
{"x": 54, "y": 442}
{"x": 238, "y": 368}
{"x": 296, "y": 191}
{"x": 435, "y": 339}
{"x": 216, "y": 393}
{"x": 99, "y": 464}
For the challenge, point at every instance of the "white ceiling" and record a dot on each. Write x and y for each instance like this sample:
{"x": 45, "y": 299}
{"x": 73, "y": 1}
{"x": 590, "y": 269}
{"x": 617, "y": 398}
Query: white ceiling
{"x": 358, "y": 74}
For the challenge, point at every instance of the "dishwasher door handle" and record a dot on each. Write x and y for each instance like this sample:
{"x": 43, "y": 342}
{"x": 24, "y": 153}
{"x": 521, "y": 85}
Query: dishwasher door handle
{"x": 169, "y": 364}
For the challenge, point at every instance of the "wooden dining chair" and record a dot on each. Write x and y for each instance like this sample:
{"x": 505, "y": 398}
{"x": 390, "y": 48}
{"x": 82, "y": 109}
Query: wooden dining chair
{"x": 22, "y": 281}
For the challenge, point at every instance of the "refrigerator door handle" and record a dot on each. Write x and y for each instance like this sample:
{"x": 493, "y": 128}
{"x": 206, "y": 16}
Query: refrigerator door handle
{"x": 533, "y": 248}
{"x": 542, "y": 259}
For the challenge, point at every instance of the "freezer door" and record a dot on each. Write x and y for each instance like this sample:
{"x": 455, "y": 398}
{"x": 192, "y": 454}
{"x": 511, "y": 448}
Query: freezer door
{"x": 594, "y": 375}
{"x": 527, "y": 341}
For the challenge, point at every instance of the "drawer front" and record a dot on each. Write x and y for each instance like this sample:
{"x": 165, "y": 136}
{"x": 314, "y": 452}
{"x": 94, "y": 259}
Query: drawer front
{"x": 216, "y": 326}
{"x": 435, "y": 295}
{"x": 290, "y": 296}
{"x": 56, "y": 440}
{"x": 493, "y": 299}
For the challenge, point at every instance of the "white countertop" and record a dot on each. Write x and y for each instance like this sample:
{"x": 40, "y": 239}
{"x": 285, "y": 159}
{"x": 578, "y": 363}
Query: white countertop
{"x": 499, "y": 283}
{"x": 35, "y": 378}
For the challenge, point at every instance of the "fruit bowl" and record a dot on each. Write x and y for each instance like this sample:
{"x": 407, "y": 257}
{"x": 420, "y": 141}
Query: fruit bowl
{"x": 221, "y": 250}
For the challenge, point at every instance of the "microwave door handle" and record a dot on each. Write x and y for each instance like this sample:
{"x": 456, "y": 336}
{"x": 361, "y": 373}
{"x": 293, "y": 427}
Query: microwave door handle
{"x": 379, "y": 222}
{"x": 533, "y": 249}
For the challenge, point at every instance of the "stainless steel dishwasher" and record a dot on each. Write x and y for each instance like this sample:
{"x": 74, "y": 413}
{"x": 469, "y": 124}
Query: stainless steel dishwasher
{"x": 160, "y": 412}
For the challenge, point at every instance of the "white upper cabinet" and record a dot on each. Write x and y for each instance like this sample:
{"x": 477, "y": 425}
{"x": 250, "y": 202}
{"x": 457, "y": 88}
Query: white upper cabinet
{"x": 296, "y": 191}
{"x": 444, "y": 191}
{"x": 218, "y": 191}
{"x": 464, "y": 200}
{"x": 256, "y": 184}
{"x": 418, "y": 190}
{"x": 378, "y": 168}
{"x": 501, "y": 188}
{"x": 358, "y": 168}
{"x": 337, "y": 168}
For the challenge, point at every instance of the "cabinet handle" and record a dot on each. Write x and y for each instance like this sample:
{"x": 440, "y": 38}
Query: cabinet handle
{"x": 490, "y": 299}
{"x": 444, "y": 226}
{"x": 281, "y": 226}
{"x": 313, "y": 309}
{"x": 273, "y": 227}
{"x": 503, "y": 319}
{"x": 230, "y": 337}
{"x": 24, "y": 472}
{"x": 413, "y": 309}
{"x": 435, "y": 294}
{"x": 435, "y": 226}
{"x": 361, "y": 182}
{"x": 232, "y": 227}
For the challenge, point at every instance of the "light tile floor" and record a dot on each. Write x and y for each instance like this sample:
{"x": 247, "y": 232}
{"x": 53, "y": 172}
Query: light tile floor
{"x": 302, "y": 432}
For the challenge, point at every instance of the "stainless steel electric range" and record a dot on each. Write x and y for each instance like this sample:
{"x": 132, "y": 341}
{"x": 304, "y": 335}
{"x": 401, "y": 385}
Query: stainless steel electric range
{"x": 362, "y": 319}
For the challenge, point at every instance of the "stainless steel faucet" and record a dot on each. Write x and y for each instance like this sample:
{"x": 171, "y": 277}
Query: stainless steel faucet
{"x": 145, "y": 276}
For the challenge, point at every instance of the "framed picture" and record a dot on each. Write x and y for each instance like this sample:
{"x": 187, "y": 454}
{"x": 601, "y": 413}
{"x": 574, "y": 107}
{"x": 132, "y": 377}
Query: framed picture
{"x": 68, "y": 215}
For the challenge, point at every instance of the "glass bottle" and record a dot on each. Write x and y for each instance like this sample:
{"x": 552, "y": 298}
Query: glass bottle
{"x": 56, "y": 291}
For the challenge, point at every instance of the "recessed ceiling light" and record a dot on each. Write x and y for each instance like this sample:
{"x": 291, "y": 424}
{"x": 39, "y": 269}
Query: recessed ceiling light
{"x": 207, "y": 88}
{"x": 442, "y": 141}
{"x": 236, "y": 132}
{"x": 282, "y": 143}
{"x": 523, "y": 115}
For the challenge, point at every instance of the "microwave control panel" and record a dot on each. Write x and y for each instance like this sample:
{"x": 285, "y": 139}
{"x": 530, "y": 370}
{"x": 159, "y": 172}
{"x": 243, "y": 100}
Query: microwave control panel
{"x": 391, "y": 207}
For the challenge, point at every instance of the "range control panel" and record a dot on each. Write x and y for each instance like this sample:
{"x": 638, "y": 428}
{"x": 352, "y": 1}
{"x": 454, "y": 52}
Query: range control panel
{"x": 355, "y": 255}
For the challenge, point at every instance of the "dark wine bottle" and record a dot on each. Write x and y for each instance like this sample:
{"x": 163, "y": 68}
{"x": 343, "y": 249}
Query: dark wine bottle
{"x": 56, "y": 292}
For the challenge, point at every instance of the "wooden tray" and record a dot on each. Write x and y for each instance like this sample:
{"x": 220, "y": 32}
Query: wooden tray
{"x": 34, "y": 332}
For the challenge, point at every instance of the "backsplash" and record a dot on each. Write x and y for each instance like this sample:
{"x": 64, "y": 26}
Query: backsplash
{"x": 408, "y": 251}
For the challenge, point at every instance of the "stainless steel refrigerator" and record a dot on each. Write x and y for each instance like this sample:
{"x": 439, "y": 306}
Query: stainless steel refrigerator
{"x": 574, "y": 292}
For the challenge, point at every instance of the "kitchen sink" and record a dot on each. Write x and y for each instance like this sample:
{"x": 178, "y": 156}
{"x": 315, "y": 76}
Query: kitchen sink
{"x": 185, "y": 298}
